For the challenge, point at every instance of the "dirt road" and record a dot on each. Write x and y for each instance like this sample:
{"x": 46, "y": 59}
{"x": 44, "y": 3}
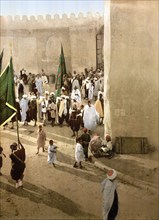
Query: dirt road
{"x": 63, "y": 192}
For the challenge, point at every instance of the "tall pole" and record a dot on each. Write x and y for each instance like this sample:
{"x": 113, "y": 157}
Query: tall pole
{"x": 17, "y": 129}
{"x": 10, "y": 45}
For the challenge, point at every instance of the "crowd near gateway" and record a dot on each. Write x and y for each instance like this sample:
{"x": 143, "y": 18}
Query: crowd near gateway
{"x": 37, "y": 99}
{"x": 28, "y": 97}
{"x": 32, "y": 97}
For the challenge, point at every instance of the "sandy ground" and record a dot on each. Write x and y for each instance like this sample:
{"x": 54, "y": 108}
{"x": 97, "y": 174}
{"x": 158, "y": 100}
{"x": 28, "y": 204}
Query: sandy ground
{"x": 63, "y": 192}
{"x": 49, "y": 193}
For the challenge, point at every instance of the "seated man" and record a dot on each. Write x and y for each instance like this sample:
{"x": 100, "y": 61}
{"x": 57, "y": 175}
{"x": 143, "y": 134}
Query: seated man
{"x": 95, "y": 144}
{"x": 107, "y": 144}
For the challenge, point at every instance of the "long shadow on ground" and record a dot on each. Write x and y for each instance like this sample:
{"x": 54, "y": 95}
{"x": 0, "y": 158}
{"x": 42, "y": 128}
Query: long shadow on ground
{"x": 88, "y": 167}
{"x": 49, "y": 198}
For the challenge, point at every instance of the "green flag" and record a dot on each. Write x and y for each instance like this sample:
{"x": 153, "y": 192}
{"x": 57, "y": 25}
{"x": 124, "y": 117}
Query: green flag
{"x": 61, "y": 70}
{"x": 57, "y": 93}
{"x": 7, "y": 95}
{"x": 1, "y": 57}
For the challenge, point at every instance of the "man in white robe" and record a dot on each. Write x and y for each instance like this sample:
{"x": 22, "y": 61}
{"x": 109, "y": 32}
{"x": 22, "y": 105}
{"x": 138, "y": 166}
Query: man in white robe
{"x": 90, "y": 117}
{"x": 39, "y": 84}
{"x": 44, "y": 81}
{"x": 63, "y": 112}
{"x": 52, "y": 153}
{"x": 44, "y": 107}
{"x": 76, "y": 95}
{"x": 96, "y": 88}
{"x": 79, "y": 153}
{"x": 90, "y": 90}
{"x": 24, "y": 109}
{"x": 110, "y": 196}
{"x": 75, "y": 83}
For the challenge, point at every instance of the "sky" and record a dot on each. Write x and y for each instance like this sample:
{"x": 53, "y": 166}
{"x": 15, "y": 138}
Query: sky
{"x": 51, "y": 7}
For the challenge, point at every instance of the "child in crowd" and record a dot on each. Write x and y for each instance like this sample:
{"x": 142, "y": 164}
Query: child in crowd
{"x": 1, "y": 159}
{"x": 51, "y": 153}
{"x": 79, "y": 153}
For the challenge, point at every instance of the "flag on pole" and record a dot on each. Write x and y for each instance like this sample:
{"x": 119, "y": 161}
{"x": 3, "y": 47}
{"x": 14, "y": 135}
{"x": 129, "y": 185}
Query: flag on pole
{"x": 61, "y": 70}
{"x": 1, "y": 57}
{"x": 7, "y": 95}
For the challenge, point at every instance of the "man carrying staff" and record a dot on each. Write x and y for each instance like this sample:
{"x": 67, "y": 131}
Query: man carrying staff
{"x": 18, "y": 163}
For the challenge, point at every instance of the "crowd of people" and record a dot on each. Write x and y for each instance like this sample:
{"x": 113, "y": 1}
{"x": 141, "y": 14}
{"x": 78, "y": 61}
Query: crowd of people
{"x": 38, "y": 100}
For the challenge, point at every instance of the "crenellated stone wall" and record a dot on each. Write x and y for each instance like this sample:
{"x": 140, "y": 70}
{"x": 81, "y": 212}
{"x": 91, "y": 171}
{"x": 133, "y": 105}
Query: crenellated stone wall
{"x": 49, "y": 21}
{"x": 35, "y": 42}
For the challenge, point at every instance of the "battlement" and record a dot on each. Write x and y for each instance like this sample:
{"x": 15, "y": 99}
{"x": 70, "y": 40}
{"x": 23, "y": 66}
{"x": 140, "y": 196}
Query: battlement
{"x": 47, "y": 21}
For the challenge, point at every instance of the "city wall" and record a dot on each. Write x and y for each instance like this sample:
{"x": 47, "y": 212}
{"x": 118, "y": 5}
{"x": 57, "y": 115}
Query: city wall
{"x": 131, "y": 69}
{"x": 35, "y": 42}
{"x": 130, "y": 58}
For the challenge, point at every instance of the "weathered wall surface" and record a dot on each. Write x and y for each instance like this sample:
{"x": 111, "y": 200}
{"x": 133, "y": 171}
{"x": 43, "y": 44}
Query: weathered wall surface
{"x": 83, "y": 47}
{"x": 133, "y": 77}
{"x": 36, "y": 42}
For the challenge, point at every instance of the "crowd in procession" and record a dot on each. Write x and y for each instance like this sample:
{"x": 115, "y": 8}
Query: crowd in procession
{"x": 41, "y": 101}
{"x": 52, "y": 106}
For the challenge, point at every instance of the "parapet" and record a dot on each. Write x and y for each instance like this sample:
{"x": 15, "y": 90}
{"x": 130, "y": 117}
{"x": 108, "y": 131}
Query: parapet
{"x": 47, "y": 21}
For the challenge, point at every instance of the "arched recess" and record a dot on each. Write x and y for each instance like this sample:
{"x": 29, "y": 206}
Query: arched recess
{"x": 100, "y": 48}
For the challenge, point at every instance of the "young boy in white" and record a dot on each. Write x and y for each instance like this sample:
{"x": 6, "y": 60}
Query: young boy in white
{"x": 51, "y": 153}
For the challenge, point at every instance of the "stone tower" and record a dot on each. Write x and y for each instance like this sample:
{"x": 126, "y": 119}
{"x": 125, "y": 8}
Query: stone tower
{"x": 131, "y": 69}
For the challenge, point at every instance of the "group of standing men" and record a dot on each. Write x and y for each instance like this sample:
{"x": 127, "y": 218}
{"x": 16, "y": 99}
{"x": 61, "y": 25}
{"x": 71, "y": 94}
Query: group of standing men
{"x": 39, "y": 103}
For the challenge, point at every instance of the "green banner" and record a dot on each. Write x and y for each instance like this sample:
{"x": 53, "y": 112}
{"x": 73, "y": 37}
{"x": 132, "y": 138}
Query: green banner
{"x": 1, "y": 57}
{"x": 61, "y": 70}
{"x": 7, "y": 95}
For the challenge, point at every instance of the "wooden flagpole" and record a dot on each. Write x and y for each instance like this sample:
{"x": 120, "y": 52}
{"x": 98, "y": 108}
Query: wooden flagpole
{"x": 17, "y": 125}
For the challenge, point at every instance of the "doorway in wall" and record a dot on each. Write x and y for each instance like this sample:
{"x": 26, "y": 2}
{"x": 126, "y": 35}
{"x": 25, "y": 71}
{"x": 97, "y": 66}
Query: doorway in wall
{"x": 100, "y": 48}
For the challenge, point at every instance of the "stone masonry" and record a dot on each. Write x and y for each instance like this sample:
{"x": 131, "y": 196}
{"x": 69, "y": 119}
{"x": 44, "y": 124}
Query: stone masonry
{"x": 131, "y": 69}
{"x": 35, "y": 43}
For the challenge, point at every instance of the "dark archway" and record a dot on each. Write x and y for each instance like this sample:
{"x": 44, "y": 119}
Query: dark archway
{"x": 100, "y": 48}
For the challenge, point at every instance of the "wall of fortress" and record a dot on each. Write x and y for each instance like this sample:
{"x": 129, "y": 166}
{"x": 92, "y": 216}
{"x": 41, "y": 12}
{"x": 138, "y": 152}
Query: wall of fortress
{"x": 131, "y": 69}
{"x": 130, "y": 58}
{"x": 35, "y": 42}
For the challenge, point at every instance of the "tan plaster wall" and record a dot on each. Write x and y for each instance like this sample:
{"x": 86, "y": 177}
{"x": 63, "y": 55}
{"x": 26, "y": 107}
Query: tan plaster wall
{"x": 133, "y": 76}
{"x": 35, "y": 42}
{"x": 83, "y": 47}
